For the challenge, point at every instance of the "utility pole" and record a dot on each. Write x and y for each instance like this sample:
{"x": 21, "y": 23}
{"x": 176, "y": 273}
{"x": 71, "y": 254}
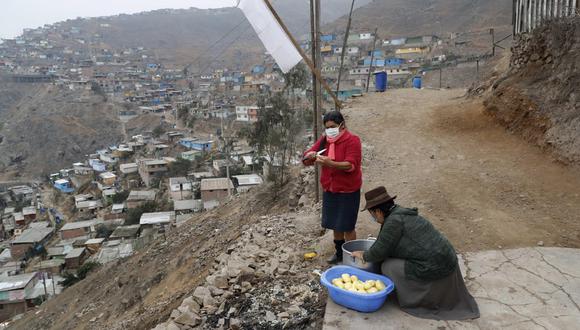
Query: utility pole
{"x": 314, "y": 4}
{"x": 439, "y": 76}
{"x": 372, "y": 60}
{"x": 344, "y": 46}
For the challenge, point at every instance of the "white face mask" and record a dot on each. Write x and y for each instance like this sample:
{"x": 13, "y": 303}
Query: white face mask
{"x": 332, "y": 132}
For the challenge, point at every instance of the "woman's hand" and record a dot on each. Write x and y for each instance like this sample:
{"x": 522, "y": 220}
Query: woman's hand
{"x": 324, "y": 161}
{"x": 309, "y": 158}
{"x": 358, "y": 255}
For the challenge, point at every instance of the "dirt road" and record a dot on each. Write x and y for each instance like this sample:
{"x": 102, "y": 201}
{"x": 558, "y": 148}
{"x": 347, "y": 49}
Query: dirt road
{"x": 484, "y": 188}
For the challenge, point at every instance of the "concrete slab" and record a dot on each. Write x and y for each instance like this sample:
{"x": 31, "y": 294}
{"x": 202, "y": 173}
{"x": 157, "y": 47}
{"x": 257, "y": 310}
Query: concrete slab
{"x": 530, "y": 288}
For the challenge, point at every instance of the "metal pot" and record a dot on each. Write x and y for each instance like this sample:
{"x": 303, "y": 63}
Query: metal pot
{"x": 359, "y": 245}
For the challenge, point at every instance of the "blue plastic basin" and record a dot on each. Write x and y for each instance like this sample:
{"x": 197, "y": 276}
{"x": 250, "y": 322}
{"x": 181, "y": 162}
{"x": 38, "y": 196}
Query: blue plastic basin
{"x": 366, "y": 303}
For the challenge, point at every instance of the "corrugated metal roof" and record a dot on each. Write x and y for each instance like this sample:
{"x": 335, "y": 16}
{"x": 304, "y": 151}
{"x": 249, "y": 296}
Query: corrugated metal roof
{"x": 249, "y": 180}
{"x": 216, "y": 184}
{"x": 81, "y": 224}
{"x": 16, "y": 282}
{"x": 156, "y": 218}
{"x": 32, "y": 235}
{"x": 75, "y": 253}
{"x": 141, "y": 195}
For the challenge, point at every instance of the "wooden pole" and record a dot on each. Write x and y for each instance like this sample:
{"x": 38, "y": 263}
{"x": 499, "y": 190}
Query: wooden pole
{"x": 344, "y": 47}
{"x": 372, "y": 59}
{"x": 315, "y": 87}
{"x": 310, "y": 64}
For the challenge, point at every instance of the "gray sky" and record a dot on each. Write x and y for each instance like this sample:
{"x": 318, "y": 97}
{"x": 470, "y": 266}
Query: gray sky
{"x": 16, "y": 15}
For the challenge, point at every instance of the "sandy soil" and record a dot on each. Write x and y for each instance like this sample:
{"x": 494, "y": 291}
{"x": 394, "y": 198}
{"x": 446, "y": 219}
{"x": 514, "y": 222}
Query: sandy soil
{"x": 484, "y": 188}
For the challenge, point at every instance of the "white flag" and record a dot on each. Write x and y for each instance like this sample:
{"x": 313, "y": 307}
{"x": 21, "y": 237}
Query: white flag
{"x": 271, "y": 33}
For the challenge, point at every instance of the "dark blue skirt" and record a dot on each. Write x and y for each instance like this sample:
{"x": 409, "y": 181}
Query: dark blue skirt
{"x": 340, "y": 210}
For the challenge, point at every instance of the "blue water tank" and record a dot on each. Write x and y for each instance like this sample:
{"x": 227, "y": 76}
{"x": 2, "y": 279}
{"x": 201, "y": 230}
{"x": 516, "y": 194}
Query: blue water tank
{"x": 381, "y": 81}
{"x": 417, "y": 82}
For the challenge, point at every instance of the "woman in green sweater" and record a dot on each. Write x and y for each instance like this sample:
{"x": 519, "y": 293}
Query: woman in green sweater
{"x": 420, "y": 261}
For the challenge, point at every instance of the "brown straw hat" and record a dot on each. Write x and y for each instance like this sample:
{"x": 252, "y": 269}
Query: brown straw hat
{"x": 376, "y": 197}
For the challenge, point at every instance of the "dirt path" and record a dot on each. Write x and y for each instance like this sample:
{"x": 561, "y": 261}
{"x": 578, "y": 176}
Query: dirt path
{"x": 483, "y": 187}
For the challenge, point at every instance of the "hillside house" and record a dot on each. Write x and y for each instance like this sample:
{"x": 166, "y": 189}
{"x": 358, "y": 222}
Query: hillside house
{"x": 29, "y": 239}
{"x": 118, "y": 208}
{"x": 106, "y": 179}
{"x": 139, "y": 197}
{"x": 21, "y": 193}
{"x": 97, "y": 165}
{"x": 191, "y": 155}
{"x": 81, "y": 169}
{"x": 157, "y": 219}
{"x": 93, "y": 245}
{"x": 214, "y": 191}
{"x": 247, "y": 182}
{"x": 125, "y": 232}
{"x": 15, "y": 294}
{"x": 29, "y": 214}
{"x": 64, "y": 186}
{"x": 89, "y": 206}
{"x": 75, "y": 258}
{"x": 151, "y": 168}
{"x": 128, "y": 168}
{"x": 327, "y": 37}
{"x": 196, "y": 144}
{"x": 80, "y": 229}
{"x": 243, "y": 112}
{"x": 180, "y": 188}
{"x": 187, "y": 206}
{"x": 19, "y": 219}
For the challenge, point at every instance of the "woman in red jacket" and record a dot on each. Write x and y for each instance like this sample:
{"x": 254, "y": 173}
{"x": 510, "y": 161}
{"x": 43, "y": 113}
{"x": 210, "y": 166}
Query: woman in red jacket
{"x": 339, "y": 154}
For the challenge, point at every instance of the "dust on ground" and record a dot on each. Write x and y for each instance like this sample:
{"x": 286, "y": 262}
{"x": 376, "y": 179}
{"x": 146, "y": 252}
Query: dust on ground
{"x": 483, "y": 187}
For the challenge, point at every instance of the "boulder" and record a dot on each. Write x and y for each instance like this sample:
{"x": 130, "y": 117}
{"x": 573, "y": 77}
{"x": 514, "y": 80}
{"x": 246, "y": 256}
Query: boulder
{"x": 189, "y": 319}
{"x": 200, "y": 294}
{"x": 221, "y": 282}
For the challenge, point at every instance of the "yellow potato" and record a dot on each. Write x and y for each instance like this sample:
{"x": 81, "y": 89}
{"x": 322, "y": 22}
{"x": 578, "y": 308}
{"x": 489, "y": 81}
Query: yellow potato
{"x": 372, "y": 290}
{"x": 340, "y": 284}
{"x": 336, "y": 281}
{"x": 369, "y": 284}
{"x": 353, "y": 278}
{"x": 348, "y": 286}
{"x": 362, "y": 291}
{"x": 352, "y": 289}
{"x": 359, "y": 286}
{"x": 380, "y": 285}
{"x": 346, "y": 278}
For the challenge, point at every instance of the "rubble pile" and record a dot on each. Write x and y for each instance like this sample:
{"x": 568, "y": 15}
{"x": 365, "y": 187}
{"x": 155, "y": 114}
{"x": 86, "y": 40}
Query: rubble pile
{"x": 260, "y": 282}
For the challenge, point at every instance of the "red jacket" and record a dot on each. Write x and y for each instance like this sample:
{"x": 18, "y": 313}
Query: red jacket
{"x": 347, "y": 149}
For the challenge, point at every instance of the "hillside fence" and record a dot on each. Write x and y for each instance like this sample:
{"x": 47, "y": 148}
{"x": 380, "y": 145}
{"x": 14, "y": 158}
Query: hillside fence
{"x": 529, "y": 14}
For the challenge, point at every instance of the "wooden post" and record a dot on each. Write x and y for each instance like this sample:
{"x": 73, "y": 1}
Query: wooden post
{"x": 315, "y": 87}
{"x": 372, "y": 59}
{"x": 344, "y": 46}
{"x": 308, "y": 62}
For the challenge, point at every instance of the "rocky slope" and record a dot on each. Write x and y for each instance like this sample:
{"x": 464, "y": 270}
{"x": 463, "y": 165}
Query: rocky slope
{"x": 46, "y": 128}
{"x": 239, "y": 266}
{"x": 538, "y": 97}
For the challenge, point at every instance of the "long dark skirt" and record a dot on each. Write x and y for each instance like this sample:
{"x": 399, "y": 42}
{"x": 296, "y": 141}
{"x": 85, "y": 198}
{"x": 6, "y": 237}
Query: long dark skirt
{"x": 340, "y": 210}
{"x": 444, "y": 299}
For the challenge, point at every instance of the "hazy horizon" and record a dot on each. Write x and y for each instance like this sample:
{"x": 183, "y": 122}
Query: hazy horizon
{"x": 17, "y": 15}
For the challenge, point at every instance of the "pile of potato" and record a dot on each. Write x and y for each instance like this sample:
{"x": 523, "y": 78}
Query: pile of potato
{"x": 353, "y": 284}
